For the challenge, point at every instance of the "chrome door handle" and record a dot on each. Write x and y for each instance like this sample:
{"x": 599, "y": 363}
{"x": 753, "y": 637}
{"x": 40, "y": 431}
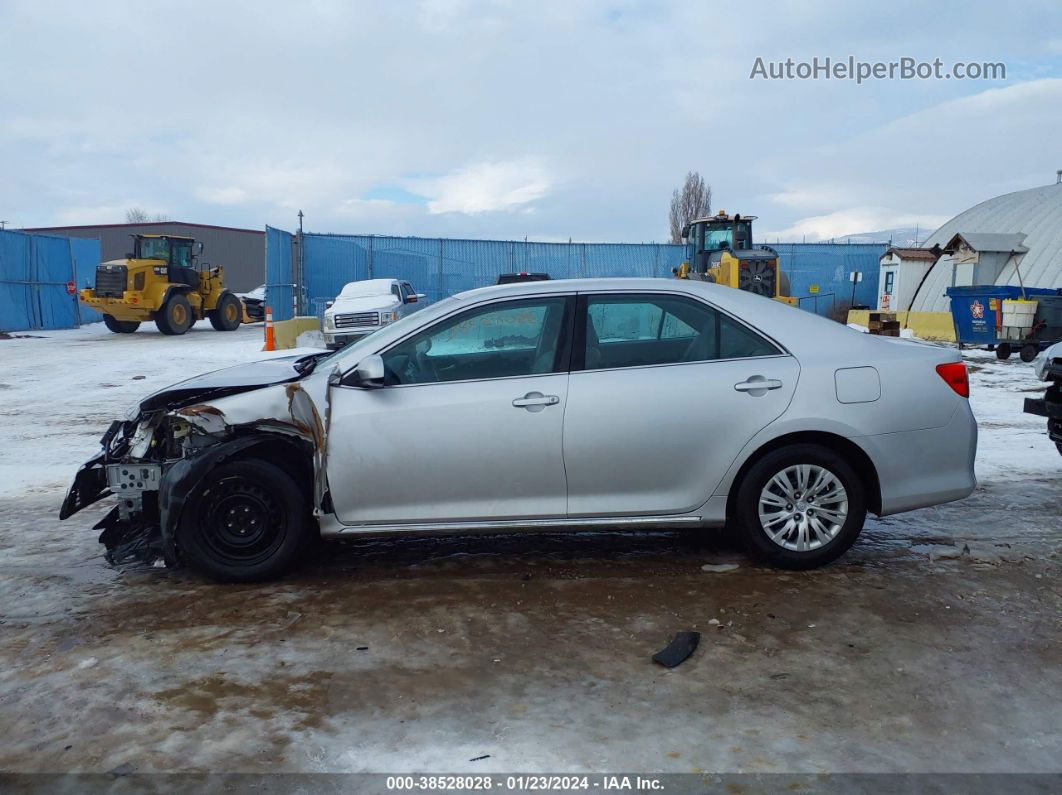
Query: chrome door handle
{"x": 758, "y": 385}
{"x": 532, "y": 399}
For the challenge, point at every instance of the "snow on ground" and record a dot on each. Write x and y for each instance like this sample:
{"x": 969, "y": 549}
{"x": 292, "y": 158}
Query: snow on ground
{"x": 1011, "y": 445}
{"x": 61, "y": 389}
{"x": 931, "y": 646}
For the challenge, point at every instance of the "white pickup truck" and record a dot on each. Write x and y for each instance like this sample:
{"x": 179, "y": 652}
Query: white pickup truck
{"x": 367, "y": 306}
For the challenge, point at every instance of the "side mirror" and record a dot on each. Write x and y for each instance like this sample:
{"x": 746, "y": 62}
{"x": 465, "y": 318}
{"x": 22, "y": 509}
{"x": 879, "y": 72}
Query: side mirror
{"x": 335, "y": 378}
{"x": 370, "y": 372}
{"x": 199, "y": 247}
{"x": 328, "y": 304}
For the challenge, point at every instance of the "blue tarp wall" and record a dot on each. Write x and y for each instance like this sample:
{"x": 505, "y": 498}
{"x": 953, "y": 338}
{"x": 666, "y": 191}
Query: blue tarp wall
{"x": 280, "y": 280}
{"x": 34, "y": 272}
{"x": 827, "y": 266}
{"x": 440, "y": 267}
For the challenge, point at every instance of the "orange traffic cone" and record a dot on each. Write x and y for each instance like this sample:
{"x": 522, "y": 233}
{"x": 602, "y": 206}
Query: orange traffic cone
{"x": 270, "y": 340}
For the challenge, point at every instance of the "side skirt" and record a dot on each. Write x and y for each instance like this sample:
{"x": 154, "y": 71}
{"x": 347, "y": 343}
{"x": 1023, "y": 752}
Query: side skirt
{"x": 331, "y": 527}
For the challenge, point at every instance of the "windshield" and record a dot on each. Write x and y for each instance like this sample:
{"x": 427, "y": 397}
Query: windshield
{"x": 716, "y": 236}
{"x": 154, "y": 248}
{"x": 366, "y": 288}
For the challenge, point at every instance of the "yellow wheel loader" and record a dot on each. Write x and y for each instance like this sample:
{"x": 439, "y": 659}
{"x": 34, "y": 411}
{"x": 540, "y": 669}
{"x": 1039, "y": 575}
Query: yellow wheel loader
{"x": 719, "y": 249}
{"x": 163, "y": 280}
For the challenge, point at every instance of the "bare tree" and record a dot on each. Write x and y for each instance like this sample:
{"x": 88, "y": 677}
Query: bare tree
{"x": 138, "y": 215}
{"x": 693, "y": 200}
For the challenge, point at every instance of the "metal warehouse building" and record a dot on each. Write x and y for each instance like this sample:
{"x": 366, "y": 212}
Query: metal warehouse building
{"x": 1012, "y": 239}
{"x": 241, "y": 251}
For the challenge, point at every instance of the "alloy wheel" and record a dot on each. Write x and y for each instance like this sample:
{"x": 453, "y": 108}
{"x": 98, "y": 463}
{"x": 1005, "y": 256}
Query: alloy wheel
{"x": 803, "y": 507}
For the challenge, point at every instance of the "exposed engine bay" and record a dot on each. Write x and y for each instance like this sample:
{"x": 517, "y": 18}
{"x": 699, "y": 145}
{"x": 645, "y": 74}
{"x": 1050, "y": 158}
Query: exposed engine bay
{"x": 154, "y": 459}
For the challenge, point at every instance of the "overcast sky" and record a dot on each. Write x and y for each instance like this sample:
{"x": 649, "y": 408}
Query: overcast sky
{"x": 505, "y": 119}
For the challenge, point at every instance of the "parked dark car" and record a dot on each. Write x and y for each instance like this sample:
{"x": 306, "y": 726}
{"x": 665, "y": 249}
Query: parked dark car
{"x": 523, "y": 276}
{"x": 1049, "y": 368}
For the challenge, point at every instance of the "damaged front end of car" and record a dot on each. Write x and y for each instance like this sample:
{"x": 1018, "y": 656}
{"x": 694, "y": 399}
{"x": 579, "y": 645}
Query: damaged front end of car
{"x": 154, "y": 461}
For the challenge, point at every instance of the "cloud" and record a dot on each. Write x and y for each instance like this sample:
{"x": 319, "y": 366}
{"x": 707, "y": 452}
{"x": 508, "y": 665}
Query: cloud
{"x": 230, "y": 195}
{"x": 484, "y": 187}
{"x": 852, "y": 221}
{"x": 550, "y": 119}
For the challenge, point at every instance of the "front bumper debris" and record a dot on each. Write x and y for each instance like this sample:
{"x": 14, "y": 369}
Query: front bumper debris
{"x": 153, "y": 463}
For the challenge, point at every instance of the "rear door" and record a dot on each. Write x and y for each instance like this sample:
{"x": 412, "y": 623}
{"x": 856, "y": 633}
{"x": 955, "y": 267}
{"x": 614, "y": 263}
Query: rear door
{"x": 664, "y": 392}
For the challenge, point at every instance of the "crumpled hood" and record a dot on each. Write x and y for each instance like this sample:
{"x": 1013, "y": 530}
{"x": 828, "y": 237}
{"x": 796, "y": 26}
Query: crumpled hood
{"x": 227, "y": 381}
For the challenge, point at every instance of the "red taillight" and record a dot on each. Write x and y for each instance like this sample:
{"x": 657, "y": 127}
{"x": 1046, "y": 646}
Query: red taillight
{"x": 954, "y": 374}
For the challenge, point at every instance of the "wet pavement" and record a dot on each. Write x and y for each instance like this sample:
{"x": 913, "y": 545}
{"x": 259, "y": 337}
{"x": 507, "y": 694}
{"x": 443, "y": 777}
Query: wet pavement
{"x": 934, "y": 645}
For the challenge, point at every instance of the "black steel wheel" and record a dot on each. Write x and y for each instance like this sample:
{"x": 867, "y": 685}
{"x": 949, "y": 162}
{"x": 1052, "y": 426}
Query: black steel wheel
{"x": 1028, "y": 351}
{"x": 1003, "y": 351}
{"x": 228, "y": 313}
{"x": 246, "y": 521}
{"x": 120, "y": 326}
{"x": 175, "y": 316}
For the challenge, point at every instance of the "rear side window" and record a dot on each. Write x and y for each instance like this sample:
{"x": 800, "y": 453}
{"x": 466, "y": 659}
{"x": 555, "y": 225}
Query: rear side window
{"x": 642, "y": 330}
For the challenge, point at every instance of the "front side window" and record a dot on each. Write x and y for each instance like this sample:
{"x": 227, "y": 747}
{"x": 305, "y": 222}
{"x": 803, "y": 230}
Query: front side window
{"x": 642, "y": 330}
{"x": 512, "y": 338}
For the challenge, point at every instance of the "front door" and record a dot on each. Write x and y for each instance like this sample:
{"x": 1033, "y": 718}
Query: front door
{"x": 468, "y": 426}
{"x": 664, "y": 392}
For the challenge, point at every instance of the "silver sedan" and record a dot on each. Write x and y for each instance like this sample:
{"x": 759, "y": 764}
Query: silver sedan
{"x": 619, "y": 403}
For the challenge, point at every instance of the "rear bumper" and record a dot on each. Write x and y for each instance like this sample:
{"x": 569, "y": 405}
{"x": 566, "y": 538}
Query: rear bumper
{"x": 917, "y": 469}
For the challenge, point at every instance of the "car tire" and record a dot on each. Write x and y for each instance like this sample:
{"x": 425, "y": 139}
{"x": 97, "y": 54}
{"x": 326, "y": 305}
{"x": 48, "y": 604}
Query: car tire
{"x": 804, "y": 541}
{"x": 246, "y": 521}
{"x": 1028, "y": 352}
{"x": 227, "y": 314}
{"x": 175, "y": 317}
{"x": 1003, "y": 351}
{"x": 120, "y": 326}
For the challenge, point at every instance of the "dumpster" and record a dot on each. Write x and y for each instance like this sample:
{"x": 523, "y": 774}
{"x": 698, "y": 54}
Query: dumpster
{"x": 978, "y": 316}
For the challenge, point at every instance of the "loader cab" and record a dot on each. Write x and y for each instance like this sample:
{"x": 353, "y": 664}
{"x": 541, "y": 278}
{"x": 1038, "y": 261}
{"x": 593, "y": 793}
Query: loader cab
{"x": 179, "y": 254}
{"x": 713, "y": 235}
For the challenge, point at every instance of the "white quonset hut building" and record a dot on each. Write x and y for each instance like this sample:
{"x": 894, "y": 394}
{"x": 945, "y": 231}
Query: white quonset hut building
{"x": 1012, "y": 239}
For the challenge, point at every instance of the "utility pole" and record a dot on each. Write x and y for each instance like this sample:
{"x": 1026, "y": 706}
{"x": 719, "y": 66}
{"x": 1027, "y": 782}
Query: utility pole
{"x": 300, "y": 280}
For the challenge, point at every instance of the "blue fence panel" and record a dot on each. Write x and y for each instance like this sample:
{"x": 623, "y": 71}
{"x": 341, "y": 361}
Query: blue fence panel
{"x": 34, "y": 273}
{"x": 52, "y": 269}
{"x": 280, "y": 280}
{"x": 86, "y": 255}
{"x": 331, "y": 262}
{"x": 441, "y": 267}
{"x": 16, "y": 308}
{"x": 828, "y": 266}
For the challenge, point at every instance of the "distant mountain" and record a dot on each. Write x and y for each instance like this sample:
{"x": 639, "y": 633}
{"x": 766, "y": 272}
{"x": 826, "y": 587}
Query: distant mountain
{"x": 901, "y": 236}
